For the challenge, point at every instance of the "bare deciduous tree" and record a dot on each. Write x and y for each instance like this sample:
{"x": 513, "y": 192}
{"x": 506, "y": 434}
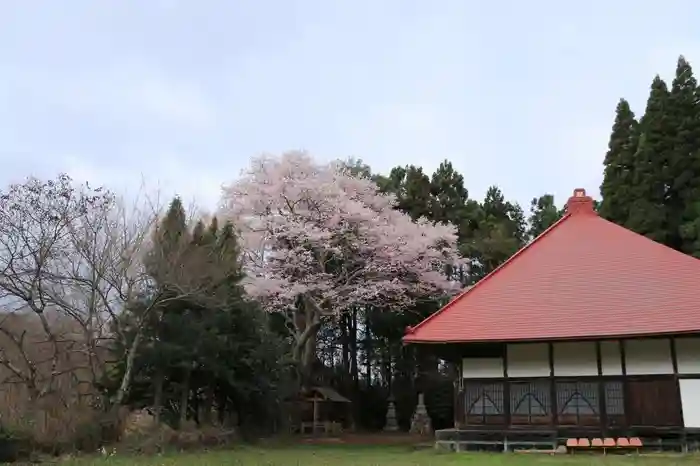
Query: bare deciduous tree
{"x": 73, "y": 259}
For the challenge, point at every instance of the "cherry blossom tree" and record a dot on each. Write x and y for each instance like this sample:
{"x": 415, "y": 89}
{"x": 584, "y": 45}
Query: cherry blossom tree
{"x": 319, "y": 241}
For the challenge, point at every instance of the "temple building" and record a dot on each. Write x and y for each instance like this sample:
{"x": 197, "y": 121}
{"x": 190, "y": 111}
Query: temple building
{"x": 590, "y": 330}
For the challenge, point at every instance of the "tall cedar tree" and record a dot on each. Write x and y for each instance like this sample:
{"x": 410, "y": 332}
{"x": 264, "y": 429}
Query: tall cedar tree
{"x": 683, "y": 176}
{"x": 648, "y": 190}
{"x": 157, "y": 353}
{"x": 164, "y": 351}
{"x": 619, "y": 166}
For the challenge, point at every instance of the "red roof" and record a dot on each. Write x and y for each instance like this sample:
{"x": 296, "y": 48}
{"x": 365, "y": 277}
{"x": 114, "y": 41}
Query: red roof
{"x": 584, "y": 277}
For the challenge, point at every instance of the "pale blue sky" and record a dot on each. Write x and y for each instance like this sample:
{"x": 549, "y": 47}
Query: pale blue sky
{"x": 515, "y": 93}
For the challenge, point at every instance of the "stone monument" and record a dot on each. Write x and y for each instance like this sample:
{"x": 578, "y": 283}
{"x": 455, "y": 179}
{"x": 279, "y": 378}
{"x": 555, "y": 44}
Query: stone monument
{"x": 391, "y": 425}
{"x": 420, "y": 422}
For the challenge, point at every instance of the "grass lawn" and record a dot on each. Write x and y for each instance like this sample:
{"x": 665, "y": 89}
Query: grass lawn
{"x": 370, "y": 456}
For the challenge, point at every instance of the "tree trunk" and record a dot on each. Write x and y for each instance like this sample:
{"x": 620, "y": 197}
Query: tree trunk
{"x": 354, "y": 371}
{"x": 307, "y": 321}
{"x": 368, "y": 346}
{"x": 309, "y": 359}
{"x": 386, "y": 364}
{"x": 207, "y": 407}
{"x": 185, "y": 395}
{"x": 126, "y": 378}
{"x": 158, "y": 381}
{"x": 222, "y": 406}
{"x": 345, "y": 341}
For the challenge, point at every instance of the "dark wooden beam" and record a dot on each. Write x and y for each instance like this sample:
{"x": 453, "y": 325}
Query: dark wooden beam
{"x": 623, "y": 357}
{"x": 674, "y": 355}
{"x": 625, "y": 381}
{"x": 457, "y": 351}
{"x": 506, "y": 389}
{"x": 601, "y": 388}
{"x": 552, "y": 385}
{"x": 674, "y": 362}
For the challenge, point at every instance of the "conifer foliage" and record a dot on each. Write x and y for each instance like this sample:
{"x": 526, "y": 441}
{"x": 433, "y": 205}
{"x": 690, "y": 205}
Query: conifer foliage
{"x": 201, "y": 359}
{"x": 619, "y": 165}
{"x": 651, "y": 180}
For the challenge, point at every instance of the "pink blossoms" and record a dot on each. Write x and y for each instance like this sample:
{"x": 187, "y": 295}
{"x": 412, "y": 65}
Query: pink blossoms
{"x": 315, "y": 231}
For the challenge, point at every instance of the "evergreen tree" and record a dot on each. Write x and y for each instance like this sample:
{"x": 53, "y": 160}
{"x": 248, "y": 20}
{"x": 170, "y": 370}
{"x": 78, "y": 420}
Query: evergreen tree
{"x": 543, "y": 214}
{"x": 683, "y": 176}
{"x": 518, "y": 220}
{"x": 412, "y": 189}
{"x": 173, "y": 228}
{"x": 652, "y": 169}
{"x": 449, "y": 196}
{"x": 619, "y": 166}
{"x": 499, "y": 231}
{"x": 648, "y": 190}
{"x": 170, "y": 240}
{"x": 451, "y": 204}
{"x": 200, "y": 355}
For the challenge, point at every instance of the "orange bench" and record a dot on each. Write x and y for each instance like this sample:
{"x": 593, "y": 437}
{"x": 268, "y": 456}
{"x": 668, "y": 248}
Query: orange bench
{"x": 605, "y": 444}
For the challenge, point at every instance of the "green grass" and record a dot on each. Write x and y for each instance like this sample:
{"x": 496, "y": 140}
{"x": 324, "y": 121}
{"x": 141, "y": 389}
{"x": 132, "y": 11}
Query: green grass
{"x": 370, "y": 456}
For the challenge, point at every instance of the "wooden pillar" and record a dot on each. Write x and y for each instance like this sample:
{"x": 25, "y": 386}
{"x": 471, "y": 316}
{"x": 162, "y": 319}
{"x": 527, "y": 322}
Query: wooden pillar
{"x": 506, "y": 388}
{"x": 625, "y": 382}
{"x": 601, "y": 389}
{"x": 552, "y": 386}
{"x": 674, "y": 361}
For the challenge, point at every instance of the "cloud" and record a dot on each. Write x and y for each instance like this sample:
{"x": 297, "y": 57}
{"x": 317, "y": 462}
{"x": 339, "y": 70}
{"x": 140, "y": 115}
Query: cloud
{"x": 401, "y": 134}
{"x": 165, "y": 99}
{"x": 126, "y": 126}
{"x": 122, "y": 92}
{"x": 160, "y": 180}
{"x": 135, "y": 93}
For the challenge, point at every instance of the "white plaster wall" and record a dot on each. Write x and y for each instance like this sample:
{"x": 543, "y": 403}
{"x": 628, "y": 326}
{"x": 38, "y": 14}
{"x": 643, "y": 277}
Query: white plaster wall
{"x": 528, "y": 360}
{"x": 482, "y": 368}
{"x": 610, "y": 357}
{"x": 688, "y": 355}
{"x": 575, "y": 359}
{"x": 648, "y": 356}
{"x": 690, "y": 398}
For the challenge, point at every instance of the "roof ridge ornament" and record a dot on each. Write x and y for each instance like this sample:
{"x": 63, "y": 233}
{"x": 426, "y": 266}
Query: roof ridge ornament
{"x": 580, "y": 203}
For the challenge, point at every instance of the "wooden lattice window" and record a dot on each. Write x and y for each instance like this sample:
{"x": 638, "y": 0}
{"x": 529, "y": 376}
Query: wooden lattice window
{"x": 530, "y": 402}
{"x": 614, "y": 398}
{"x": 484, "y": 402}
